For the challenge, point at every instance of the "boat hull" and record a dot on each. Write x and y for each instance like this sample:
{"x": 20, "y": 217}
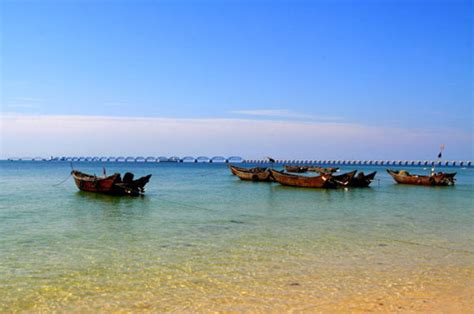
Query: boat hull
{"x": 252, "y": 174}
{"x": 439, "y": 179}
{"x": 112, "y": 185}
{"x": 357, "y": 181}
{"x": 97, "y": 185}
{"x": 322, "y": 181}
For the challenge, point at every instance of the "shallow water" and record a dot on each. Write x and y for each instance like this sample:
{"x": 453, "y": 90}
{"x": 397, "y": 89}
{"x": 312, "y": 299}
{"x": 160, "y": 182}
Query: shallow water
{"x": 202, "y": 240}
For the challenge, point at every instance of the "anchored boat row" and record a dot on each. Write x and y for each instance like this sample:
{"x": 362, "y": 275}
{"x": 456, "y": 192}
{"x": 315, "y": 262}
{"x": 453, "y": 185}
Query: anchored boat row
{"x": 116, "y": 185}
{"x": 327, "y": 179}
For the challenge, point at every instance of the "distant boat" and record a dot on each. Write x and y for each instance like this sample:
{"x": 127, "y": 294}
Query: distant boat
{"x": 252, "y": 174}
{"x": 235, "y": 169}
{"x": 113, "y": 185}
{"x": 323, "y": 169}
{"x": 437, "y": 179}
{"x": 296, "y": 169}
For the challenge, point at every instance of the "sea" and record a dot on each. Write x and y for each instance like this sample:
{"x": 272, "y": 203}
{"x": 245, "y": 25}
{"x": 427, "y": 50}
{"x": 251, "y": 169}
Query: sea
{"x": 201, "y": 240}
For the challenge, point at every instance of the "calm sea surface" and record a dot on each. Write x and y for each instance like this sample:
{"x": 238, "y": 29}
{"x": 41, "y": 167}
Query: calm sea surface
{"x": 202, "y": 240}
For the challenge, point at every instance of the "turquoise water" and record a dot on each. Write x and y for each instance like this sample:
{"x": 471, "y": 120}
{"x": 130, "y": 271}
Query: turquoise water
{"x": 203, "y": 240}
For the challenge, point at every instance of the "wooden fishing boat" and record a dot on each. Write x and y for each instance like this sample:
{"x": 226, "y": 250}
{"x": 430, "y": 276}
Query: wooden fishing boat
{"x": 360, "y": 180}
{"x": 296, "y": 169}
{"x": 321, "y": 181}
{"x": 343, "y": 180}
{"x": 252, "y": 174}
{"x": 113, "y": 184}
{"x": 323, "y": 169}
{"x": 235, "y": 169}
{"x": 437, "y": 179}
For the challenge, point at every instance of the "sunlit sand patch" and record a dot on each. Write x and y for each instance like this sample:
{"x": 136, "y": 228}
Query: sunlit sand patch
{"x": 330, "y": 290}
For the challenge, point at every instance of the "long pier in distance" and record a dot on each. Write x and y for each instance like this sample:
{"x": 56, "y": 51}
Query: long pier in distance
{"x": 238, "y": 159}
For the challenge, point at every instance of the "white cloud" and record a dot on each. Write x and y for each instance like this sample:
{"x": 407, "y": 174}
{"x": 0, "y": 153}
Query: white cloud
{"x": 22, "y": 103}
{"x": 29, "y": 135}
{"x": 283, "y": 113}
{"x": 29, "y": 99}
{"x": 22, "y": 106}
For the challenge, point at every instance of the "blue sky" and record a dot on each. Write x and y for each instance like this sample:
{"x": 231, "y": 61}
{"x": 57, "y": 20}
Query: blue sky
{"x": 385, "y": 66}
